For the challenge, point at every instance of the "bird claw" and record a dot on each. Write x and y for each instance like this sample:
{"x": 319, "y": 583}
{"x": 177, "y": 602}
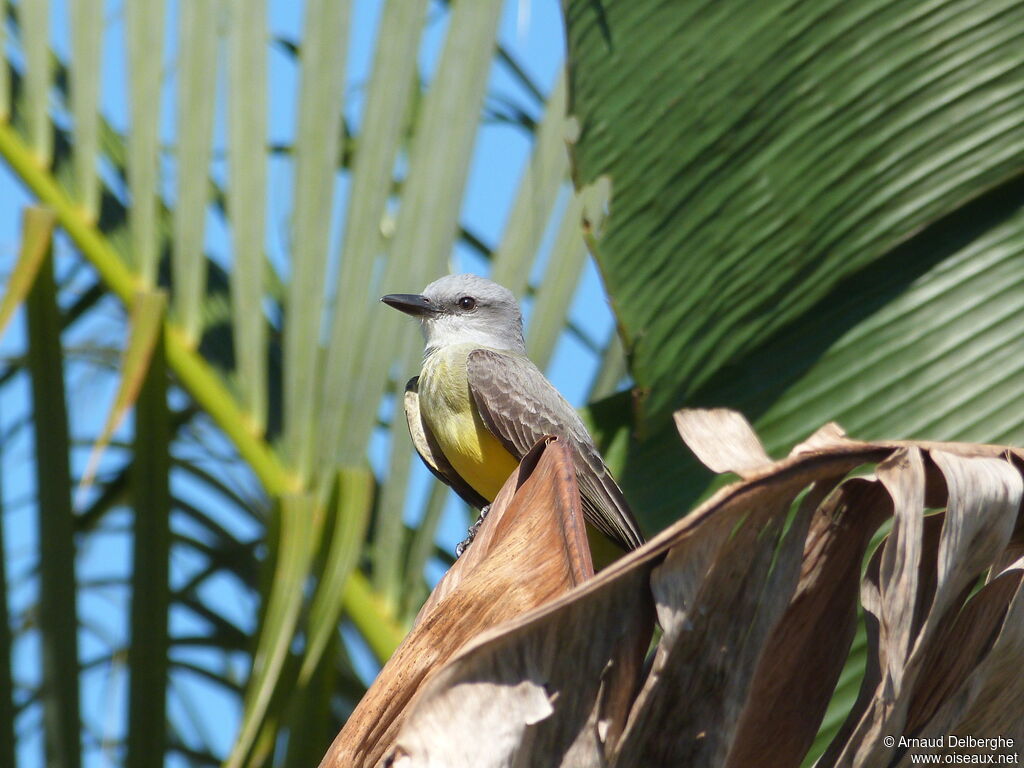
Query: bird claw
{"x": 472, "y": 531}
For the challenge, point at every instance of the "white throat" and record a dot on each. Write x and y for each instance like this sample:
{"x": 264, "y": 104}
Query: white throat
{"x": 443, "y": 332}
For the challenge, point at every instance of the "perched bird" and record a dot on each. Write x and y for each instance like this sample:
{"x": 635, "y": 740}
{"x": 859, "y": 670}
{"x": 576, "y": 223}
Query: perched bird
{"x": 479, "y": 404}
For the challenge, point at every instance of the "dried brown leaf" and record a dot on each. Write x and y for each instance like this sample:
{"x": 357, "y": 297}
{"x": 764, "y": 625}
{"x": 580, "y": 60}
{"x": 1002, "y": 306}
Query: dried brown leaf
{"x": 552, "y": 689}
{"x": 827, "y": 436}
{"x": 804, "y": 656}
{"x": 723, "y": 440}
{"x": 531, "y": 549}
{"x": 991, "y": 699}
{"x": 758, "y": 608}
{"x": 902, "y": 474}
{"x": 984, "y": 496}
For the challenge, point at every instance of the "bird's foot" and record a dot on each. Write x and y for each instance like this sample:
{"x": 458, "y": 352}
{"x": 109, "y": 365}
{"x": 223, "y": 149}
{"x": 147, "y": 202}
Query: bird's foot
{"x": 473, "y": 530}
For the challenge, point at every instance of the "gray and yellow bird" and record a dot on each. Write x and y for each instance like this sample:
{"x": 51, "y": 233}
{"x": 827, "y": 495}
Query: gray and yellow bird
{"x": 479, "y": 403}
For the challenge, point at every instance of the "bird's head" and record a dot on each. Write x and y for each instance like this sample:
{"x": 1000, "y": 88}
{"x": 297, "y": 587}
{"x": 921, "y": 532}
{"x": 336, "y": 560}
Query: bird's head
{"x": 459, "y": 309}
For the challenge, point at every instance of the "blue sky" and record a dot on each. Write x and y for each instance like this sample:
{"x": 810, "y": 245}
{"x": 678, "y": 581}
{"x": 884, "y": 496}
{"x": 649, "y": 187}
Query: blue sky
{"x": 532, "y": 31}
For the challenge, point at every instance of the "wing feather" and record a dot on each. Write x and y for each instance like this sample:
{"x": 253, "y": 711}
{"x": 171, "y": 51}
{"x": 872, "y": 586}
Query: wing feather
{"x": 428, "y": 449}
{"x": 520, "y": 406}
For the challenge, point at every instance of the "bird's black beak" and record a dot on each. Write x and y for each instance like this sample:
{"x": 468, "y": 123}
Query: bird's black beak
{"x": 410, "y": 303}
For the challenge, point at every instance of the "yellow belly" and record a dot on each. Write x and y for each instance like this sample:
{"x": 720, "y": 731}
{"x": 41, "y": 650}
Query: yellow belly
{"x": 449, "y": 412}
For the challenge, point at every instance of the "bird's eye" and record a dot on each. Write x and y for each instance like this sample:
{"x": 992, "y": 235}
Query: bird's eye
{"x": 467, "y": 303}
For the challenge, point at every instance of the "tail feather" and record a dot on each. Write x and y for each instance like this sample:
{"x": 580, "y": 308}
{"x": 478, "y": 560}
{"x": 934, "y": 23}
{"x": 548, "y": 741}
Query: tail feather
{"x": 605, "y": 507}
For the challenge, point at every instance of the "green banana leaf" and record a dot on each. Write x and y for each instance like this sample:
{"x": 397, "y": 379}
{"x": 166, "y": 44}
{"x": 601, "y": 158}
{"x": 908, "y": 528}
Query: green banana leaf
{"x": 816, "y": 213}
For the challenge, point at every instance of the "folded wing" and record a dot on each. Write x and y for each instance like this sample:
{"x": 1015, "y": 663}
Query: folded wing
{"x": 519, "y": 406}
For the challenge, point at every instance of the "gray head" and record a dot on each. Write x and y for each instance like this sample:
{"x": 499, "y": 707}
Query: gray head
{"x": 460, "y": 309}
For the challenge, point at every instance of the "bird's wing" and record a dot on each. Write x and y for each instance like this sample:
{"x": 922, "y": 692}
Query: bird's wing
{"x": 519, "y": 406}
{"x": 428, "y": 449}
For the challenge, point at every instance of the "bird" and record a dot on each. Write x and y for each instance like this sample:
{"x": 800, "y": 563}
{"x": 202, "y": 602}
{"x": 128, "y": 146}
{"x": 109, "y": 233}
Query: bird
{"x": 479, "y": 403}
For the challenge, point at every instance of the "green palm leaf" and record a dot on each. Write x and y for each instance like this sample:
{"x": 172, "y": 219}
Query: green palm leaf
{"x": 57, "y": 610}
{"x": 148, "y": 651}
{"x": 244, "y": 346}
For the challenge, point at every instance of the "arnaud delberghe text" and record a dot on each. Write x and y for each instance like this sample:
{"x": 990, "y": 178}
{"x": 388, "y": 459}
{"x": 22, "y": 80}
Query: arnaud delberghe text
{"x": 953, "y": 741}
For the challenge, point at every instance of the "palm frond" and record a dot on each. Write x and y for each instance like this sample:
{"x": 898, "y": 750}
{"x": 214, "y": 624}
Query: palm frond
{"x": 148, "y": 651}
{"x": 58, "y": 622}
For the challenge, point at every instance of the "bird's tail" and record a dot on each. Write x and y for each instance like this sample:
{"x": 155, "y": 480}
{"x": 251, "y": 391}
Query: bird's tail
{"x": 606, "y": 508}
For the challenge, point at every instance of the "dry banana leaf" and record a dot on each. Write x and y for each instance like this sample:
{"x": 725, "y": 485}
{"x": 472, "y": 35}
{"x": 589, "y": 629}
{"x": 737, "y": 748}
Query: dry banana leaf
{"x": 532, "y": 549}
{"x": 756, "y": 596}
